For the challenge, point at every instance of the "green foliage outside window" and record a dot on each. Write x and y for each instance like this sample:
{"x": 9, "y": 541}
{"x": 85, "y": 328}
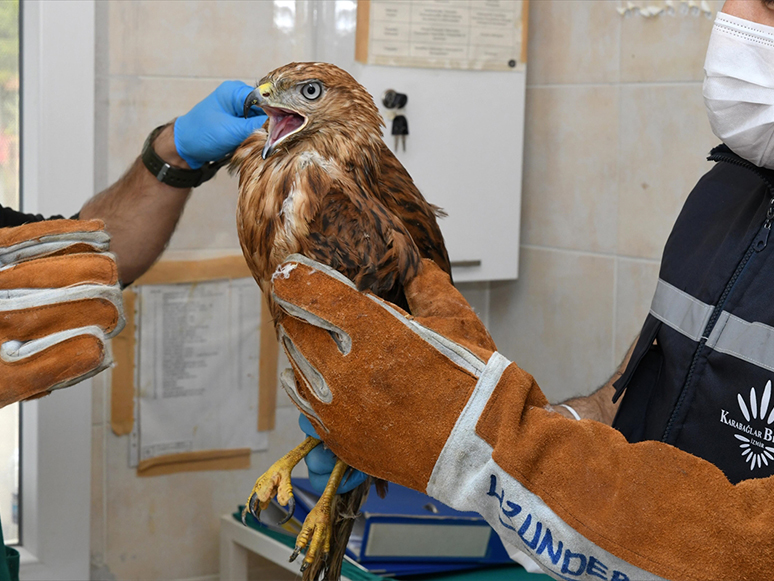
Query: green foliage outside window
{"x": 9, "y": 102}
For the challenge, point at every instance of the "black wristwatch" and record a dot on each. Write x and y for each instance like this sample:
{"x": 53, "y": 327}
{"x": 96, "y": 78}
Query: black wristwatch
{"x": 175, "y": 176}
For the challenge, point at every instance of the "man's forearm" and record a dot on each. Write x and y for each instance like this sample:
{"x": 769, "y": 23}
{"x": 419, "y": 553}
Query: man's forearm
{"x": 140, "y": 212}
{"x": 599, "y": 405}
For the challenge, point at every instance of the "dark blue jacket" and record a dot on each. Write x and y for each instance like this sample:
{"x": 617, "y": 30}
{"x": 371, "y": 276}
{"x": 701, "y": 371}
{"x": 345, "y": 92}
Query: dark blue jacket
{"x": 9, "y": 217}
{"x": 700, "y": 377}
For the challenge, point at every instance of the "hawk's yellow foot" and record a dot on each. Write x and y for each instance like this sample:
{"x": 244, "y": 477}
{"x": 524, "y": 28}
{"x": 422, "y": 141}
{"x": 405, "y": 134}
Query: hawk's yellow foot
{"x": 276, "y": 481}
{"x": 316, "y": 531}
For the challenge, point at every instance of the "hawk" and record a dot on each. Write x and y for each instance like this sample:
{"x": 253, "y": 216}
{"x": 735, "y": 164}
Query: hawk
{"x": 319, "y": 180}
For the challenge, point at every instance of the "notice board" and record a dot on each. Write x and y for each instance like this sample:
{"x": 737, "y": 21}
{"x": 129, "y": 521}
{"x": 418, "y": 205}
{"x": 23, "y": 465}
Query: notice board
{"x": 453, "y": 34}
{"x": 195, "y": 379}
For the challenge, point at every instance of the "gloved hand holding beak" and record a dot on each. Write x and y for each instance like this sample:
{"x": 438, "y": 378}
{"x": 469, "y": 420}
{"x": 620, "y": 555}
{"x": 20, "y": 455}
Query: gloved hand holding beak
{"x": 217, "y": 125}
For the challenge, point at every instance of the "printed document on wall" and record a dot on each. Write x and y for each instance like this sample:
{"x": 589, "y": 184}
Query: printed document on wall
{"x": 451, "y": 34}
{"x": 198, "y": 350}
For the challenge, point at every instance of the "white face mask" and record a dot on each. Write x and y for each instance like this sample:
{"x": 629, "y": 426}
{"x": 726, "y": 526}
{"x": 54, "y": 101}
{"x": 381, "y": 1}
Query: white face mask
{"x": 739, "y": 87}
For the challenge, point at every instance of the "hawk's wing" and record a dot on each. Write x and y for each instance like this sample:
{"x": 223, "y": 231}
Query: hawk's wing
{"x": 402, "y": 198}
{"x": 354, "y": 233}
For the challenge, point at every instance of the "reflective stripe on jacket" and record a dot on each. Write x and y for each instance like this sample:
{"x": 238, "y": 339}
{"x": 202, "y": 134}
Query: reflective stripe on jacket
{"x": 700, "y": 377}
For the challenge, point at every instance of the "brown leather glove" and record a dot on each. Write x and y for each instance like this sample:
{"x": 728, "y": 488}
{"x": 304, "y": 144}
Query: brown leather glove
{"x": 425, "y": 402}
{"x": 59, "y": 302}
{"x": 404, "y": 380}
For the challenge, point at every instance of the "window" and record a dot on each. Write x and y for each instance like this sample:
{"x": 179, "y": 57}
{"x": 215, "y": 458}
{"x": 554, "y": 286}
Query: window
{"x": 57, "y": 176}
{"x": 9, "y": 473}
{"x": 9, "y": 196}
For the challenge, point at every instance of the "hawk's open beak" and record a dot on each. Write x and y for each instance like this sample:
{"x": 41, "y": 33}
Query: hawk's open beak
{"x": 282, "y": 122}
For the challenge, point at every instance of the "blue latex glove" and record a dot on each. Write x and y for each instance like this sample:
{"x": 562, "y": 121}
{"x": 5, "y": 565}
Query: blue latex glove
{"x": 215, "y": 126}
{"x": 320, "y": 462}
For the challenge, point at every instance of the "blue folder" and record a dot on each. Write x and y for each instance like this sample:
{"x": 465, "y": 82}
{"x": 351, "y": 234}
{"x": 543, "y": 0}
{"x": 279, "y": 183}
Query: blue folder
{"x": 414, "y": 571}
{"x": 408, "y": 528}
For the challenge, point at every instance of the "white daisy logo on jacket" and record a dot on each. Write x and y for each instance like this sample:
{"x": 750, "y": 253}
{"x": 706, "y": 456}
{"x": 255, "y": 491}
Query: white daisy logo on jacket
{"x": 753, "y": 448}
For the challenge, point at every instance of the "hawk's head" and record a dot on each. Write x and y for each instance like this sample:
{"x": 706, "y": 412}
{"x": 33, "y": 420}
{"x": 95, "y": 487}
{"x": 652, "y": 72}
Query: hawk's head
{"x": 318, "y": 101}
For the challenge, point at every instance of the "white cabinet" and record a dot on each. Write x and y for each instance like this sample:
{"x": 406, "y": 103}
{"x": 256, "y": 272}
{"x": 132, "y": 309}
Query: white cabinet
{"x": 464, "y": 149}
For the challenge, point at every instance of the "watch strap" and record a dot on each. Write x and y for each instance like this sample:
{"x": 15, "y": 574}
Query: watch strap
{"x": 175, "y": 176}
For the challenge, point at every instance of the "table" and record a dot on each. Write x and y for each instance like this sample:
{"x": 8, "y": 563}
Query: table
{"x": 237, "y": 541}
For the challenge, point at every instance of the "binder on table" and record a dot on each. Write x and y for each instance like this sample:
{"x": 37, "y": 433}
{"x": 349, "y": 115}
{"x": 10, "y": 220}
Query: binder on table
{"x": 410, "y": 528}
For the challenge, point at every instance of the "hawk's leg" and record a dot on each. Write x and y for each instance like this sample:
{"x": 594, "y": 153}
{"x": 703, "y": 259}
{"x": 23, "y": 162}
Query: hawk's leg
{"x": 316, "y": 532}
{"x": 276, "y": 481}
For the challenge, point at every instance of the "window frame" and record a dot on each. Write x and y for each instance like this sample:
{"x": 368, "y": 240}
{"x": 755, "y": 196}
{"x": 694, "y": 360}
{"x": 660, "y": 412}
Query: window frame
{"x": 57, "y": 176}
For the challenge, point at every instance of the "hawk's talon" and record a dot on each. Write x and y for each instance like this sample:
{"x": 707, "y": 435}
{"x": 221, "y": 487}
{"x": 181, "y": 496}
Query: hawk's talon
{"x": 315, "y": 534}
{"x": 255, "y": 506}
{"x": 294, "y": 554}
{"x": 304, "y": 565}
{"x": 291, "y": 510}
{"x": 276, "y": 482}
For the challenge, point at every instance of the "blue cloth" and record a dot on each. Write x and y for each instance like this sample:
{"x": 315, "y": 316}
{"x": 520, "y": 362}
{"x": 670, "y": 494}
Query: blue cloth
{"x": 320, "y": 462}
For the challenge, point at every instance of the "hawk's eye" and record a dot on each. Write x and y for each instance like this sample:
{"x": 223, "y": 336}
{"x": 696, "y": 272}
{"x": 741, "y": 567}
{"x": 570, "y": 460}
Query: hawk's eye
{"x": 312, "y": 90}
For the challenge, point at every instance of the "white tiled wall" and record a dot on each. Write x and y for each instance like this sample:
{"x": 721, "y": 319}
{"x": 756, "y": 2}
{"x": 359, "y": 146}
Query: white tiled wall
{"x": 615, "y": 138}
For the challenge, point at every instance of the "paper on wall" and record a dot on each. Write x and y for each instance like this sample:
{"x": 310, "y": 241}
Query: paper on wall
{"x": 453, "y": 34}
{"x": 197, "y": 362}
